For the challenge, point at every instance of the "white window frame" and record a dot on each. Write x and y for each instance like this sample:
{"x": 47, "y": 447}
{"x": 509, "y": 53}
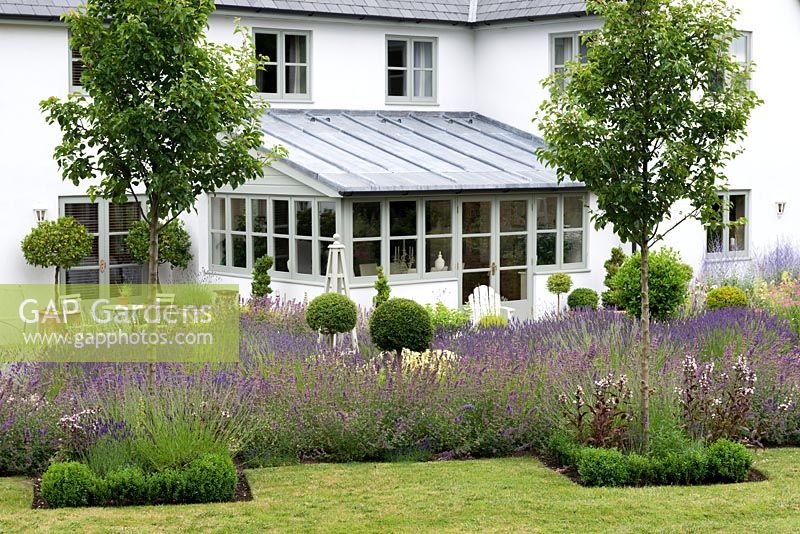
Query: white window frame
{"x": 318, "y": 270}
{"x": 71, "y": 61}
{"x": 450, "y": 259}
{"x": 380, "y": 238}
{"x": 748, "y": 36}
{"x": 280, "y": 65}
{"x": 726, "y": 253}
{"x": 410, "y": 68}
{"x": 559, "y": 231}
{"x": 576, "y": 48}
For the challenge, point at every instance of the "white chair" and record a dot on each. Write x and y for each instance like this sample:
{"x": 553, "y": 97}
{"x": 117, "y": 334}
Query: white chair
{"x": 485, "y": 302}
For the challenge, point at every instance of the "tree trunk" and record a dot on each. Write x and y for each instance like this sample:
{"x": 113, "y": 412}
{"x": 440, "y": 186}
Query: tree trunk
{"x": 152, "y": 262}
{"x": 56, "y": 291}
{"x": 645, "y": 362}
{"x": 152, "y": 274}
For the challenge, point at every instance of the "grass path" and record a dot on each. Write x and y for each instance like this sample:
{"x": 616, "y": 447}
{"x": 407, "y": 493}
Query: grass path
{"x": 503, "y": 495}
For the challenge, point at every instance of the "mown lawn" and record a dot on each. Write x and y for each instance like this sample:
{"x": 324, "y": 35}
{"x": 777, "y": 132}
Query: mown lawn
{"x": 505, "y": 495}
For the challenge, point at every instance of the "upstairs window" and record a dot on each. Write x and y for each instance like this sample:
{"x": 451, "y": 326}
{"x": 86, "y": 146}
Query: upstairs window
{"x": 726, "y": 242}
{"x": 286, "y": 74}
{"x": 566, "y": 47}
{"x": 740, "y": 48}
{"x": 410, "y": 69}
{"x": 76, "y": 67}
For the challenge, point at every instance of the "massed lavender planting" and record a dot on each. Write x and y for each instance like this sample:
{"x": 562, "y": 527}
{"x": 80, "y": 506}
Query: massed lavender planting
{"x": 485, "y": 392}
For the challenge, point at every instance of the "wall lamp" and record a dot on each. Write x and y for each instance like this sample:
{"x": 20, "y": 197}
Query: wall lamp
{"x": 40, "y": 211}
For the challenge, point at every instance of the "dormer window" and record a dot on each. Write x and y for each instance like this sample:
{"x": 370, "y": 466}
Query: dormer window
{"x": 287, "y": 64}
{"x": 410, "y": 70}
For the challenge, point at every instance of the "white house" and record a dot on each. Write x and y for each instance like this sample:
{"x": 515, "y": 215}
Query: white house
{"x": 409, "y": 132}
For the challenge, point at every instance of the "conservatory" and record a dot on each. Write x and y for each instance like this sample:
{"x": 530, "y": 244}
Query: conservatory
{"x": 444, "y": 202}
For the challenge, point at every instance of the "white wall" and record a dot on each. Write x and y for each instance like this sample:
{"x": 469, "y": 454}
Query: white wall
{"x": 495, "y": 70}
{"x": 34, "y": 63}
{"x": 348, "y": 59}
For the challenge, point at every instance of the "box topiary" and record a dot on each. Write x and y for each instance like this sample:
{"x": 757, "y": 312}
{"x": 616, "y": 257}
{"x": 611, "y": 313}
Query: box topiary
{"x": 401, "y": 324}
{"x": 210, "y": 478}
{"x": 728, "y": 461}
{"x": 668, "y": 281}
{"x": 558, "y": 284}
{"x": 127, "y": 485}
{"x": 167, "y": 486}
{"x": 69, "y": 484}
{"x": 726, "y": 297}
{"x": 640, "y": 469}
{"x": 332, "y": 313}
{"x": 583, "y": 298}
{"x": 602, "y": 467}
{"x": 261, "y": 277}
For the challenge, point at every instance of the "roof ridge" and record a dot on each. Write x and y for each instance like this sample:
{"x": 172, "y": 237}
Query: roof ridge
{"x": 468, "y": 12}
{"x": 473, "y": 11}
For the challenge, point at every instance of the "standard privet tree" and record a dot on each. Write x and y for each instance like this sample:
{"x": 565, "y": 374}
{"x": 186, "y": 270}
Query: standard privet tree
{"x": 174, "y": 244}
{"x": 62, "y": 244}
{"x": 162, "y": 111}
{"x": 650, "y": 119}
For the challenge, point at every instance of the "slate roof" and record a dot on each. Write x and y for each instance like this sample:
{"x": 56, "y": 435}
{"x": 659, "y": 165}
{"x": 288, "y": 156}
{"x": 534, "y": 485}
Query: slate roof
{"x": 452, "y": 11}
{"x": 408, "y": 151}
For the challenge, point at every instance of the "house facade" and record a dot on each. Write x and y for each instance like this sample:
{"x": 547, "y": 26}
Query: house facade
{"x": 410, "y": 136}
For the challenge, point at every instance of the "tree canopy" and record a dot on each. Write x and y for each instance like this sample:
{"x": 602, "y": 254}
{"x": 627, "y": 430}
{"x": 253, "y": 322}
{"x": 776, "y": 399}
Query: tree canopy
{"x": 174, "y": 244}
{"x": 163, "y": 110}
{"x": 62, "y": 244}
{"x": 653, "y": 114}
{"x": 651, "y": 117}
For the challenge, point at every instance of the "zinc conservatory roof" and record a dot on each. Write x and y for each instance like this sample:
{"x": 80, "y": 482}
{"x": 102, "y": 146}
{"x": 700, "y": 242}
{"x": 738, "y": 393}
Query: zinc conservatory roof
{"x": 449, "y": 11}
{"x": 408, "y": 151}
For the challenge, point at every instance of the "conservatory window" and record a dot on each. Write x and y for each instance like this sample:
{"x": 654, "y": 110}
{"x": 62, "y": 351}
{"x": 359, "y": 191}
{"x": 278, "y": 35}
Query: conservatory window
{"x": 560, "y": 231}
{"x": 304, "y": 237}
{"x": 280, "y": 229}
{"x": 239, "y": 232}
{"x": 438, "y": 236}
{"x": 367, "y": 231}
{"x": 403, "y": 237}
{"x": 327, "y": 228}
{"x": 296, "y": 232}
{"x": 219, "y": 228}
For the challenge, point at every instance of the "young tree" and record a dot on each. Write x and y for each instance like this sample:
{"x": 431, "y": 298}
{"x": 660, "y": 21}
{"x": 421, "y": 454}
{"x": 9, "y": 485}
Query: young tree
{"x": 62, "y": 244}
{"x": 174, "y": 244}
{"x": 650, "y": 119}
{"x": 162, "y": 111}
